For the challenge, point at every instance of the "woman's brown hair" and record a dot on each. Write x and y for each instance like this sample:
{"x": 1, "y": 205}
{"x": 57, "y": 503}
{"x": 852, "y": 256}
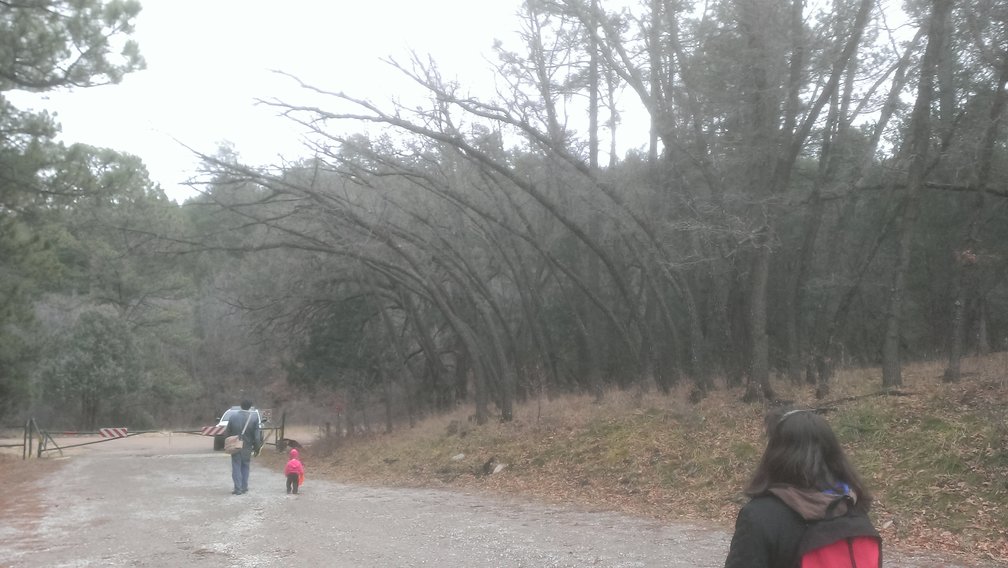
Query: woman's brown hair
{"x": 803, "y": 451}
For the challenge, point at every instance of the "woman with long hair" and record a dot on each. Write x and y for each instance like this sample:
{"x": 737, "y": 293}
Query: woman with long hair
{"x": 804, "y": 491}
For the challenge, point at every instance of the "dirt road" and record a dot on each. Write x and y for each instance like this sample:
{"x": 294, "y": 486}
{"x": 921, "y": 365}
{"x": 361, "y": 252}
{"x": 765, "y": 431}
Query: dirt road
{"x": 166, "y": 501}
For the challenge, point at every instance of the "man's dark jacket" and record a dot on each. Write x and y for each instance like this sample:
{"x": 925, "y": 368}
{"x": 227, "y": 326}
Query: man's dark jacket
{"x": 250, "y": 440}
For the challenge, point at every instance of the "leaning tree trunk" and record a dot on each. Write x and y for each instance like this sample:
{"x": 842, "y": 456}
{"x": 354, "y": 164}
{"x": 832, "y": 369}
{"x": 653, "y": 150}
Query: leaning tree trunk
{"x": 797, "y": 330}
{"x": 829, "y": 321}
{"x": 399, "y": 352}
{"x": 917, "y": 148}
{"x": 797, "y": 340}
{"x": 535, "y": 313}
{"x": 465, "y": 332}
{"x": 438, "y": 373}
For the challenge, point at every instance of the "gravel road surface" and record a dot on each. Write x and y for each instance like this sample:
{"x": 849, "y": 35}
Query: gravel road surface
{"x": 166, "y": 501}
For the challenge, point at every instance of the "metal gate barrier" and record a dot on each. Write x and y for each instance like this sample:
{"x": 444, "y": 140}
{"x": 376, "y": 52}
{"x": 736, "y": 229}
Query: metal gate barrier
{"x": 272, "y": 436}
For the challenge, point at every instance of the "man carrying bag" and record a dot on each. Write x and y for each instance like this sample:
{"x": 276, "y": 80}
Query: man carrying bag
{"x": 245, "y": 425}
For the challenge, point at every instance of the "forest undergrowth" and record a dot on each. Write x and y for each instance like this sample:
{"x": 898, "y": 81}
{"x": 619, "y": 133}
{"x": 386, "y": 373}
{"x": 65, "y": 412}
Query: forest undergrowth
{"x": 936, "y": 456}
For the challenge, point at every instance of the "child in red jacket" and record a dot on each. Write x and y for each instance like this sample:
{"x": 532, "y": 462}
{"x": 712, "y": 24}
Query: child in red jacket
{"x": 294, "y": 470}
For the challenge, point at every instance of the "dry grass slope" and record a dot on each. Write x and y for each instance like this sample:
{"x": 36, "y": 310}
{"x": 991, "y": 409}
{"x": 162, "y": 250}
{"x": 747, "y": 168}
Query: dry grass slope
{"x": 937, "y": 458}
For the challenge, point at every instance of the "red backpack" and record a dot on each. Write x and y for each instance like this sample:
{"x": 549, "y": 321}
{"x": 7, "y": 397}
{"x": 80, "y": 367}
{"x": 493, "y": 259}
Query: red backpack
{"x": 847, "y": 541}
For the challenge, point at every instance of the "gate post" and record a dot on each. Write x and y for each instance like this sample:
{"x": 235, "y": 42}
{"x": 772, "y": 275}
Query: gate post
{"x": 283, "y": 427}
{"x": 41, "y": 441}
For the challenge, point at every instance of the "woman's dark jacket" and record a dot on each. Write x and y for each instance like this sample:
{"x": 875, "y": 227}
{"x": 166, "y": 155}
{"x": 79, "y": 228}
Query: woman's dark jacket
{"x": 769, "y": 528}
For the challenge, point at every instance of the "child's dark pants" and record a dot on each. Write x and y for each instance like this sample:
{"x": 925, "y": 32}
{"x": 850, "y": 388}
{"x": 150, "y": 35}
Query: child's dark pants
{"x": 292, "y": 482}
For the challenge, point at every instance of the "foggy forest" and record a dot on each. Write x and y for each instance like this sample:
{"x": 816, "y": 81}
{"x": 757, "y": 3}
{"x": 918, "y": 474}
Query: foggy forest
{"x": 824, "y": 187}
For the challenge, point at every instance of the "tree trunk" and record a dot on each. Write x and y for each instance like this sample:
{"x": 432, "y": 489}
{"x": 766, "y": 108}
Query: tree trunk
{"x": 762, "y": 138}
{"x": 798, "y": 352}
{"x": 966, "y": 259}
{"x": 480, "y": 389}
{"x": 759, "y": 371}
{"x": 593, "y": 89}
{"x": 462, "y": 369}
{"x": 737, "y": 341}
{"x": 613, "y": 117}
{"x": 952, "y": 370}
{"x": 796, "y": 332}
{"x": 654, "y": 93}
{"x": 916, "y": 152}
{"x": 983, "y": 341}
{"x": 387, "y": 392}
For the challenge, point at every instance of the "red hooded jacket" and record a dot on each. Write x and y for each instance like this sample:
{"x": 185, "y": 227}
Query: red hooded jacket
{"x": 294, "y": 465}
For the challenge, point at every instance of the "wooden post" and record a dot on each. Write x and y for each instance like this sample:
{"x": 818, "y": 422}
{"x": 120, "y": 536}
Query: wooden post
{"x": 26, "y": 441}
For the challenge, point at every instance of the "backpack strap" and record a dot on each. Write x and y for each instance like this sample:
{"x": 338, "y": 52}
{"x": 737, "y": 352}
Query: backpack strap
{"x": 845, "y": 499}
{"x": 247, "y": 420}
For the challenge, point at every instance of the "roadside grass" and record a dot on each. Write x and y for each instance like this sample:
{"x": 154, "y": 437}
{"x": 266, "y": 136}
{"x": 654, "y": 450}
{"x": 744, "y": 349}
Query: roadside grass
{"x": 935, "y": 457}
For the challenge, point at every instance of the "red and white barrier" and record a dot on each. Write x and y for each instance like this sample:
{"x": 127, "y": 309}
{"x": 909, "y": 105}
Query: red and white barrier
{"x": 112, "y": 432}
{"x": 213, "y": 430}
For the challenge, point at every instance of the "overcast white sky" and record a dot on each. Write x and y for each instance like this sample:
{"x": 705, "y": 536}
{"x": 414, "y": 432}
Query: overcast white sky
{"x": 207, "y": 60}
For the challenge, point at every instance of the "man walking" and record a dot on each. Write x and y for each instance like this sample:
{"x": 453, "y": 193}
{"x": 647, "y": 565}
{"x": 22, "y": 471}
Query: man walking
{"x": 246, "y": 425}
